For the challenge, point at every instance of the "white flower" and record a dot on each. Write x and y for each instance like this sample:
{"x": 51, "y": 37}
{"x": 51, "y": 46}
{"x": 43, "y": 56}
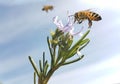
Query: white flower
{"x": 69, "y": 28}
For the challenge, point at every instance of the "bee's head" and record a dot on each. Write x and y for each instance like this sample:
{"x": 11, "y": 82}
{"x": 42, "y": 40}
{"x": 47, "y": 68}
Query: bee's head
{"x": 76, "y": 15}
{"x": 43, "y": 9}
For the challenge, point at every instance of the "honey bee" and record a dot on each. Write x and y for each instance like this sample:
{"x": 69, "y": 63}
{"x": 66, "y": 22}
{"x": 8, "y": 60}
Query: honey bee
{"x": 47, "y": 7}
{"x": 86, "y": 15}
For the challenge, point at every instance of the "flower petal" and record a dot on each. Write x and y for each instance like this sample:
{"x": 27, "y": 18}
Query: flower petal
{"x": 58, "y": 23}
{"x": 71, "y": 31}
{"x": 77, "y": 33}
{"x": 69, "y": 26}
{"x": 55, "y": 19}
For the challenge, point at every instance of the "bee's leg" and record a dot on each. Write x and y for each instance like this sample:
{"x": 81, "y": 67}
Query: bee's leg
{"x": 51, "y": 9}
{"x": 89, "y": 23}
{"x": 80, "y": 21}
{"x": 47, "y": 11}
{"x": 74, "y": 20}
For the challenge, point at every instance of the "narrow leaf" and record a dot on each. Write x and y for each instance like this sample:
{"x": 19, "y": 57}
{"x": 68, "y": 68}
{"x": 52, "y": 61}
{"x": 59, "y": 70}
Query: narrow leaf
{"x": 40, "y": 65}
{"x": 81, "y": 46}
{"x": 84, "y": 41}
{"x": 48, "y": 41}
{"x": 46, "y": 69}
{"x": 75, "y": 60}
{"x": 43, "y": 60}
{"x": 84, "y": 45}
{"x": 80, "y": 42}
{"x": 51, "y": 54}
{"x": 34, "y": 66}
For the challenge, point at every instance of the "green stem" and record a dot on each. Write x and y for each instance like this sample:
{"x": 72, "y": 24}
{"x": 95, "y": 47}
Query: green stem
{"x": 40, "y": 81}
{"x": 34, "y": 77}
{"x": 50, "y": 73}
{"x": 54, "y": 53}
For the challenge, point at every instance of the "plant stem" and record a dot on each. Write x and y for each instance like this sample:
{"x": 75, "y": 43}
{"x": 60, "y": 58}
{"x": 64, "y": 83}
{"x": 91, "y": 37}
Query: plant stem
{"x": 34, "y": 77}
{"x": 50, "y": 73}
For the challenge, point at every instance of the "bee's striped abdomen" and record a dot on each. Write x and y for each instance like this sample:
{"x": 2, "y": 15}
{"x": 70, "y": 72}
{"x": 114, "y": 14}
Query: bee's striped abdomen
{"x": 93, "y": 16}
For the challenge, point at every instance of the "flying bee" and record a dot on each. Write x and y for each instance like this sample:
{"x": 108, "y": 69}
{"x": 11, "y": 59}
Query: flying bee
{"x": 86, "y": 15}
{"x": 47, "y": 7}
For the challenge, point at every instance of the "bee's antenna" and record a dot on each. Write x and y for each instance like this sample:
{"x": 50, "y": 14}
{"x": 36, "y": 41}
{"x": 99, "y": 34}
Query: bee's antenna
{"x": 71, "y": 15}
{"x": 68, "y": 14}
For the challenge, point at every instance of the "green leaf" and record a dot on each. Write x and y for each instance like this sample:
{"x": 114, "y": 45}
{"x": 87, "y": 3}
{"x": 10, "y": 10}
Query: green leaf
{"x": 69, "y": 43}
{"x": 84, "y": 41}
{"x": 34, "y": 66}
{"x": 85, "y": 44}
{"x": 75, "y": 60}
{"x": 57, "y": 34}
{"x": 50, "y": 49}
{"x": 48, "y": 41}
{"x": 79, "y": 41}
{"x": 40, "y": 65}
{"x": 43, "y": 60}
{"x": 77, "y": 45}
{"x": 46, "y": 68}
{"x": 59, "y": 55}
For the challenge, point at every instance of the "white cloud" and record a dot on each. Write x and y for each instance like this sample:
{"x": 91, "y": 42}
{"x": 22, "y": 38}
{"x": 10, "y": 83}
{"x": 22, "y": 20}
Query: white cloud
{"x": 9, "y": 64}
{"x": 15, "y": 24}
{"x": 103, "y": 4}
{"x": 105, "y": 72}
{"x": 26, "y": 78}
{"x": 17, "y": 2}
{"x": 12, "y": 63}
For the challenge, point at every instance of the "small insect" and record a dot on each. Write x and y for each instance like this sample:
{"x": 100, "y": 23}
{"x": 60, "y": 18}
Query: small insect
{"x": 86, "y": 15}
{"x": 47, "y": 7}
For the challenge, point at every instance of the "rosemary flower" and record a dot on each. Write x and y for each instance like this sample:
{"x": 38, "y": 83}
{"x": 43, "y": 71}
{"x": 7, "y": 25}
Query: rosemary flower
{"x": 68, "y": 28}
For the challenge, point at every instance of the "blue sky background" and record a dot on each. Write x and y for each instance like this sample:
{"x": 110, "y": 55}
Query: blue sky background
{"x": 23, "y": 31}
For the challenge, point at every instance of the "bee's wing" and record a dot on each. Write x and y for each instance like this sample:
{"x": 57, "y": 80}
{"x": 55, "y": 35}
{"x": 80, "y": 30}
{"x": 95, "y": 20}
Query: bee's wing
{"x": 88, "y": 9}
